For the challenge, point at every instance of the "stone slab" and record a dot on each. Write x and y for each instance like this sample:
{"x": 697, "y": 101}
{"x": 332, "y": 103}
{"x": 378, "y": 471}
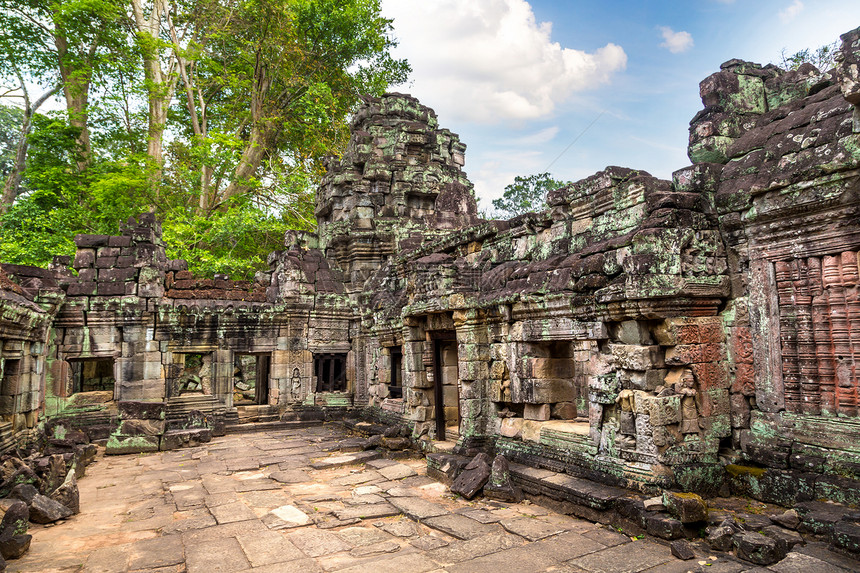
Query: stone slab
{"x": 344, "y": 460}
{"x": 418, "y": 508}
{"x": 217, "y": 556}
{"x": 459, "y": 526}
{"x": 268, "y": 547}
{"x": 531, "y": 528}
{"x": 318, "y": 542}
{"x": 626, "y": 558}
{"x": 369, "y": 511}
{"x": 396, "y": 471}
{"x": 231, "y": 512}
{"x": 474, "y": 548}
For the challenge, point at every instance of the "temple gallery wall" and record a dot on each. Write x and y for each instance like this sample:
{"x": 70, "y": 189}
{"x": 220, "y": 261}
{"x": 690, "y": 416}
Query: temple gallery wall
{"x": 700, "y": 333}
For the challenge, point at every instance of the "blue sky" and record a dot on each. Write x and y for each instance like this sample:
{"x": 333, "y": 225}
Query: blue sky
{"x": 521, "y": 80}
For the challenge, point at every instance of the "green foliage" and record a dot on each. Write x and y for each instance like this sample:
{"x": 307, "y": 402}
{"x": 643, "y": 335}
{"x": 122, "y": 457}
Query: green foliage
{"x": 10, "y": 132}
{"x": 526, "y": 194}
{"x": 823, "y": 57}
{"x": 265, "y": 95}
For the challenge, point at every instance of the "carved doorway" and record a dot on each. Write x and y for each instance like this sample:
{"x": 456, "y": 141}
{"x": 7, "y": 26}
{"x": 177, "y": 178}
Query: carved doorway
{"x": 446, "y": 383}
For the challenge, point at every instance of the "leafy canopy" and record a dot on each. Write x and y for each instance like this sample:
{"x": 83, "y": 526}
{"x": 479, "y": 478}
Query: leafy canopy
{"x": 526, "y": 194}
{"x": 255, "y": 94}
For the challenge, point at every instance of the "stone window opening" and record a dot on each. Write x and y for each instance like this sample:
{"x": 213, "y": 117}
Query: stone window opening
{"x": 330, "y": 372}
{"x": 251, "y": 373}
{"x": 9, "y": 386}
{"x": 195, "y": 377}
{"x": 395, "y": 388}
{"x": 92, "y": 375}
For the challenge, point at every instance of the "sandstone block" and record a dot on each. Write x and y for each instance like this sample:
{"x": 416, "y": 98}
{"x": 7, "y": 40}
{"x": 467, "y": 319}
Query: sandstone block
{"x": 540, "y": 412}
{"x": 687, "y": 507}
{"x": 631, "y": 357}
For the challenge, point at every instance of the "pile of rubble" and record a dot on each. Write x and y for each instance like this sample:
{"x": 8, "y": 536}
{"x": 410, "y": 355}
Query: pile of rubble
{"x": 40, "y": 486}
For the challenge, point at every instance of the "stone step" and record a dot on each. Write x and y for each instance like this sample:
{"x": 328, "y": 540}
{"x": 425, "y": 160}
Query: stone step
{"x": 238, "y": 428}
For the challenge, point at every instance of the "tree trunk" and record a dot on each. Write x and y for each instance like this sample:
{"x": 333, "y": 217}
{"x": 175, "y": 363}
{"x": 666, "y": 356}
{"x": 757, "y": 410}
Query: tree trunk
{"x": 13, "y": 181}
{"x": 76, "y": 88}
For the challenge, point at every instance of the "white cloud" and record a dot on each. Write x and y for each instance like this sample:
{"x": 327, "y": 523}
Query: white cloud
{"x": 790, "y": 12}
{"x": 490, "y": 61}
{"x": 676, "y": 42}
{"x": 537, "y": 138}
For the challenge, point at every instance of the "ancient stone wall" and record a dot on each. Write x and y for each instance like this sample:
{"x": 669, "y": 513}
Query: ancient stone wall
{"x": 699, "y": 332}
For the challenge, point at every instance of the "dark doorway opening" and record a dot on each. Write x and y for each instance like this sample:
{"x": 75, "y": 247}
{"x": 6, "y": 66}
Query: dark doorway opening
{"x": 446, "y": 391}
{"x": 9, "y": 386}
{"x": 330, "y": 372}
{"x": 395, "y": 389}
{"x": 251, "y": 374}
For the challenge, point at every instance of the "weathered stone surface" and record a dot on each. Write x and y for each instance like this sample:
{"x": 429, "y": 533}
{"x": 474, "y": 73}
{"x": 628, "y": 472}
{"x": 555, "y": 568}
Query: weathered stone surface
{"x": 16, "y": 520}
{"x": 473, "y": 477}
{"x": 682, "y": 549}
{"x": 14, "y": 546}
{"x": 687, "y": 507}
{"x": 67, "y": 493}
{"x": 756, "y": 548}
{"x": 46, "y": 510}
{"x": 500, "y": 486}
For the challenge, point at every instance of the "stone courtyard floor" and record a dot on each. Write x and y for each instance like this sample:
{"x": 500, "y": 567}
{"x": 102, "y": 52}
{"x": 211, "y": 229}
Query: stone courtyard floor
{"x": 289, "y": 501}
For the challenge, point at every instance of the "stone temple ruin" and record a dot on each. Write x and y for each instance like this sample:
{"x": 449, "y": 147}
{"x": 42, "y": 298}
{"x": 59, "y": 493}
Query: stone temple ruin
{"x": 698, "y": 335}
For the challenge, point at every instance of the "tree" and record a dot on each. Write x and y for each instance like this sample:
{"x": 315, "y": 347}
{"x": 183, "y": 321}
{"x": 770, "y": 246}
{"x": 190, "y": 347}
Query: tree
{"x": 526, "y": 194}
{"x": 823, "y": 57}
{"x": 217, "y": 113}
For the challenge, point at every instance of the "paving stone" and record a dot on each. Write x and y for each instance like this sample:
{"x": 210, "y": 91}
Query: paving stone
{"x": 358, "y": 536}
{"x": 366, "y": 490}
{"x": 473, "y": 548}
{"x": 568, "y": 545}
{"x": 230, "y": 512}
{"x": 459, "y": 526}
{"x": 428, "y": 542}
{"x": 345, "y": 460}
{"x": 369, "y": 511}
{"x": 267, "y": 547}
{"x": 381, "y": 463}
{"x": 530, "y": 528}
{"x": 481, "y": 515}
{"x": 375, "y": 549}
{"x": 606, "y": 537}
{"x": 364, "y": 499}
{"x": 222, "y": 555}
{"x": 799, "y": 563}
{"x": 399, "y": 528}
{"x": 290, "y": 476}
{"x": 289, "y": 516}
{"x": 522, "y": 558}
{"x": 418, "y": 508}
{"x": 157, "y": 552}
{"x": 409, "y": 562}
{"x": 396, "y": 472}
{"x": 627, "y": 558}
{"x": 298, "y": 566}
{"x": 357, "y": 478}
{"x": 317, "y": 542}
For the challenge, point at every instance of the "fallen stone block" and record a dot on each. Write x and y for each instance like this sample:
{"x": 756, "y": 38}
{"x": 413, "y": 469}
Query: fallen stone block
{"x": 16, "y": 520}
{"x": 682, "y": 549}
{"x": 687, "y": 507}
{"x": 14, "y": 546}
{"x": 756, "y": 548}
{"x": 122, "y": 444}
{"x": 500, "y": 486}
{"x": 46, "y": 510}
{"x": 175, "y": 439}
{"x": 68, "y": 494}
{"x": 473, "y": 477}
{"x": 720, "y": 537}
